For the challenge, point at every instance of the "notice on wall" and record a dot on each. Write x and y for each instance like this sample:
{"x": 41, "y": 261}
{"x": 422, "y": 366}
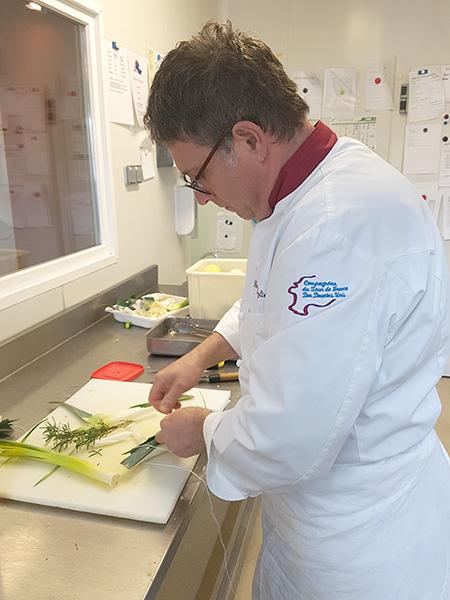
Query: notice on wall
{"x": 118, "y": 83}
{"x": 138, "y": 67}
{"x": 426, "y": 94}
{"x": 154, "y": 59}
{"x": 433, "y": 198}
{"x": 444, "y": 167}
{"x": 36, "y": 153}
{"x": 363, "y": 129}
{"x": 445, "y": 70}
{"x": 309, "y": 88}
{"x": 339, "y": 93}
{"x": 37, "y": 207}
{"x": 422, "y": 148}
{"x": 147, "y": 160}
{"x": 378, "y": 90}
{"x": 69, "y": 99}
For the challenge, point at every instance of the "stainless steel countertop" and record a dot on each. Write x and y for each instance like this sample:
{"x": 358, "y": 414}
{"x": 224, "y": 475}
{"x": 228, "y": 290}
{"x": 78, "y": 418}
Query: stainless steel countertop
{"x": 54, "y": 554}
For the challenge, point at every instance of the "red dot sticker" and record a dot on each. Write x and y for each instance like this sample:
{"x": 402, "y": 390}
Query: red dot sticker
{"x": 424, "y": 196}
{"x": 377, "y": 80}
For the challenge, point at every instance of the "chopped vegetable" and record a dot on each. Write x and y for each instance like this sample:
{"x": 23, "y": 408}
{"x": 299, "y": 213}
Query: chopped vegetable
{"x": 10, "y": 449}
{"x": 151, "y": 306}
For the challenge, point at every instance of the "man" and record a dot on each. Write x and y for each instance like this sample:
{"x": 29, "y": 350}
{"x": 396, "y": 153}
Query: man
{"x": 343, "y": 332}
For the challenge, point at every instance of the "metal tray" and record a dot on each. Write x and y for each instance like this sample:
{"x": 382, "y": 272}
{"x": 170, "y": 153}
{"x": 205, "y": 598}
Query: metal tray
{"x": 161, "y": 341}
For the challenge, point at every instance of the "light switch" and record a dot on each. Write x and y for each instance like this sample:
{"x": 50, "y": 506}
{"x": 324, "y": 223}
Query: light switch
{"x": 133, "y": 174}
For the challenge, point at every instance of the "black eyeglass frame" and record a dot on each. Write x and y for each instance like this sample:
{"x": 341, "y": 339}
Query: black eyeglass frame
{"x": 194, "y": 184}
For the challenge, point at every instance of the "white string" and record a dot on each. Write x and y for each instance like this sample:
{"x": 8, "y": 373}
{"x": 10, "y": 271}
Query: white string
{"x": 203, "y": 398}
{"x": 211, "y": 510}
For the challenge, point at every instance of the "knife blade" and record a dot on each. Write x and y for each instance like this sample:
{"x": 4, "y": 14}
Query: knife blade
{"x": 138, "y": 453}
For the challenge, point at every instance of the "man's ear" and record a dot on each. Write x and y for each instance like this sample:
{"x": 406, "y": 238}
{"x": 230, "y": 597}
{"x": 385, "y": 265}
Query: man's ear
{"x": 250, "y": 138}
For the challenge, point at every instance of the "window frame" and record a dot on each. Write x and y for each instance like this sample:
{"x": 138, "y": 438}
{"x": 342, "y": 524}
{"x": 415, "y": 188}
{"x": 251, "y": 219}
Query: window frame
{"x": 25, "y": 284}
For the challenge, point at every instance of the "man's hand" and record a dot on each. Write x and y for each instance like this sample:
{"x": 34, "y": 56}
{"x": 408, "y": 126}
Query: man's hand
{"x": 185, "y": 372}
{"x": 182, "y": 431}
{"x": 172, "y": 381}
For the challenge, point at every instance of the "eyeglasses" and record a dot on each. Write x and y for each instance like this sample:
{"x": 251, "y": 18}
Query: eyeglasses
{"x": 194, "y": 183}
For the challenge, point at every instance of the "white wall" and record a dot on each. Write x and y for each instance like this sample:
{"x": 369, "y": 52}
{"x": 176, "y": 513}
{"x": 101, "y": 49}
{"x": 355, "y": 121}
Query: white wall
{"x": 306, "y": 35}
{"x": 312, "y": 36}
{"x": 145, "y": 220}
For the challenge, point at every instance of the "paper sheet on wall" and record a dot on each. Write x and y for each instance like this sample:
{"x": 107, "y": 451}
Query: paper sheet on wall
{"x": 422, "y": 148}
{"x": 445, "y": 70}
{"x": 378, "y": 90}
{"x": 154, "y": 59}
{"x": 444, "y": 168}
{"x": 18, "y": 195}
{"x": 118, "y": 83}
{"x": 426, "y": 94}
{"x": 33, "y": 108}
{"x": 363, "y": 129}
{"x": 310, "y": 89}
{"x": 69, "y": 99}
{"x": 7, "y": 240}
{"x": 339, "y": 93}
{"x": 445, "y": 226}
{"x": 26, "y": 103}
{"x": 147, "y": 160}
{"x": 36, "y": 153}
{"x": 15, "y": 158}
{"x": 138, "y": 67}
{"x": 38, "y": 213}
{"x": 433, "y": 199}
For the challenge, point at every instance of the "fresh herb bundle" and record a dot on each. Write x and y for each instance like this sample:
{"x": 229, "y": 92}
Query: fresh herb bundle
{"x": 61, "y": 436}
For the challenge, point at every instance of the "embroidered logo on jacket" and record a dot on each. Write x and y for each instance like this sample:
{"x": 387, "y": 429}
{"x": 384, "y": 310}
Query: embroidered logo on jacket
{"x": 323, "y": 293}
{"x": 259, "y": 293}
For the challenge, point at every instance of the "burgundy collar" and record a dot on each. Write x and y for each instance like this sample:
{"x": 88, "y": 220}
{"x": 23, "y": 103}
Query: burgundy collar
{"x": 303, "y": 162}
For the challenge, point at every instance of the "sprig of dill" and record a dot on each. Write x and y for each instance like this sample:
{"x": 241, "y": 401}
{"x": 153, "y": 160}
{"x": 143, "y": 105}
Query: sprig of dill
{"x": 62, "y": 436}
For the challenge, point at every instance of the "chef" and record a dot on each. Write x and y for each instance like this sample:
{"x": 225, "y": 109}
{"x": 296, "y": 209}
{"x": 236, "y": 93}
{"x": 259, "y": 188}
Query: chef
{"x": 342, "y": 333}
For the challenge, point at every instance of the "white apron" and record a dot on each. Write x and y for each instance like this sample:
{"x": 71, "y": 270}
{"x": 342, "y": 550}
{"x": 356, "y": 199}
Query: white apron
{"x": 343, "y": 332}
{"x": 369, "y": 543}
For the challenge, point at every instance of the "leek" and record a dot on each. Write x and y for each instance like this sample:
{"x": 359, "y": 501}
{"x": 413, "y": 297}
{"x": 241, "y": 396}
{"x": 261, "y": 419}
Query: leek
{"x": 10, "y": 449}
{"x": 178, "y": 305}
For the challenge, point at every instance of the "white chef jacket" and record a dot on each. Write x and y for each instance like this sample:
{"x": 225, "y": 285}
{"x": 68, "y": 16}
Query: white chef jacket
{"x": 343, "y": 332}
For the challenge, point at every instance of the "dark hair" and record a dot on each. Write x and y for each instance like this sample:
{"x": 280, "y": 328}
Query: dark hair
{"x": 219, "y": 77}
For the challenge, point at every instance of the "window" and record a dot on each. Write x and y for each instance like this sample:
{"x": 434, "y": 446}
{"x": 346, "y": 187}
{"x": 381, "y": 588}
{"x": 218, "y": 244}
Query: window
{"x": 55, "y": 206}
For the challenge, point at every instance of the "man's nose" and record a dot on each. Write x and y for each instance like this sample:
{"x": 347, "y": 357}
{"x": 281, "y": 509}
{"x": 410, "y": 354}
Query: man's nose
{"x": 202, "y": 199}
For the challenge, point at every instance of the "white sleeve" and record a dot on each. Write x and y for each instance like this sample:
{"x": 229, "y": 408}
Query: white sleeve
{"x": 228, "y": 327}
{"x": 311, "y": 371}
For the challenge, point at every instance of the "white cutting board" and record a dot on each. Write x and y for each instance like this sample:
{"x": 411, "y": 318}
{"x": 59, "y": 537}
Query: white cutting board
{"x": 148, "y": 492}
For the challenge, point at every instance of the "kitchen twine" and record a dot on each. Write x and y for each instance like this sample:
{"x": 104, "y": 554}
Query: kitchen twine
{"x": 211, "y": 507}
{"x": 211, "y": 512}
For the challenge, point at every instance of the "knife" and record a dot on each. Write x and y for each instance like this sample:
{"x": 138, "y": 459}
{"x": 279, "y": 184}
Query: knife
{"x": 219, "y": 377}
{"x": 138, "y": 453}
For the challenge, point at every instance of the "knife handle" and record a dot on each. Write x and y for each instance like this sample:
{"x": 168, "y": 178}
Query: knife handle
{"x": 220, "y": 377}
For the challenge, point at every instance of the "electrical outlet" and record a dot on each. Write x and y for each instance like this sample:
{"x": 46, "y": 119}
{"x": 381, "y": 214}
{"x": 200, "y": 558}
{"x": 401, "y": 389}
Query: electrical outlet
{"x": 228, "y": 232}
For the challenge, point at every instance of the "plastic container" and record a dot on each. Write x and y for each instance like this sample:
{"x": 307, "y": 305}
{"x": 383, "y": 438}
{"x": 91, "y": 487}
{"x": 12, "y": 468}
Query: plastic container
{"x": 126, "y": 316}
{"x": 211, "y": 294}
{"x": 118, "y": 370}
